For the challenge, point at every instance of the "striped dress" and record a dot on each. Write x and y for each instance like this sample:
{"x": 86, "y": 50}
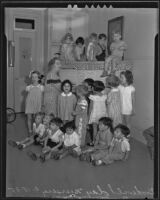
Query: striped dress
{"x": 114, "y": 106}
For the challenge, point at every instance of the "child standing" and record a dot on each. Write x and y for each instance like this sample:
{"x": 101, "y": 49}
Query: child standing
{"x": 98, "y": 107}
{"x": 52, "y": 86}
{"x": 34, "y": 98}
{"x": 102, "y": 141}
{"x": 117, "y": 48}
{"x": 81, "y": 112}
{"x": 114, "y": 100}
{"x": 119, "y": 148}
{"x": 71, "y": 143}
{"x": 38, "y": 131}
{"x": 79, "y": 49}
{"x": 91, "y": 48}
{"x": 101, "y": 47}
{"x": 127, "y": 93}
{"x": 66, "y": 102}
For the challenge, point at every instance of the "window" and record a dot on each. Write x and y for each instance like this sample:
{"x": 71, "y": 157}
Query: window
{"x": 24, "y": 23}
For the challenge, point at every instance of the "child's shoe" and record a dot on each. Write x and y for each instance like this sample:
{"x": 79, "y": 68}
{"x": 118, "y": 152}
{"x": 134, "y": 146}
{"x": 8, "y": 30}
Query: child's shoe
{"x": 20, "y": 146}
{"x": 97, "y": 162}
{"x": 32, "y": 155}
{"x": 74, "y": 154}
{"x": 82, "y": 157}
{"x": 56, "y": 156}
{"x": 12, "y": 143}
{"x": 42, "y": 158}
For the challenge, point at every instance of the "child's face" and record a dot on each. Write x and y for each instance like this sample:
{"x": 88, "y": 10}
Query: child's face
{"x": 38, "y": 119}
{"x": 54, "y": 127}
{"x": 66, "y": 88}
{"x": 35, "y": 78}
{"x": 69, "y": 131}
{"x": 102, "y": 41}
{"x": 88, "y": 86}
{"x": 68, "y": 40}
{"x": 80, "y": 45}
{"x": 57, "y": 65}
{"x": 93, "y": 39}
{"x": 123, "y": 79}
{"x": 46, "y": 119}
{"x": 102, "y": 127}
{"x": 116, "y": 37}
{"x": 118, "y": 133}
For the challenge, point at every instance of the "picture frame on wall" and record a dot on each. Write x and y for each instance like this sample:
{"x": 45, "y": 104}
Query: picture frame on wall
{"x": 114, "y": 25}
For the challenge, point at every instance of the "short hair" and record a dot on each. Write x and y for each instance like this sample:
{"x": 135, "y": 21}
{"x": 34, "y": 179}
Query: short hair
{"x": 128, "y": 75}
{"x": 64, "y": 82}
{"x": 57, "y": 121}
{"x": 93, "y": 35}
{"x": 70, "y": 125}
{"x": 107, "y": 121}
{"x": 39, "y": 114}
{"x": 124, "y": 129}
{"x": 89, "y": 81}
{"x": 112, "y": 81}
{"x": 35, "y": 72}
{"x": 80, "y": 40}
{"x": 82, "y": 89}
{"x": 52, "y": 62}
{"x": 102, "y": 35}
{"x": 52, "y": 115}
{"x": 98, "y": 86}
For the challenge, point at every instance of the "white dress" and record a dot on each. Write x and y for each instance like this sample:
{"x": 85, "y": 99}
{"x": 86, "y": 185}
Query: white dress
{"x": 39, "y": 130}
{"x": 99, "y": 108}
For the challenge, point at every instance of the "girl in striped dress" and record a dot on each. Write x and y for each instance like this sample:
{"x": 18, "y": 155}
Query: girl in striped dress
{"x": 114, "y": 100}
{"x": 52, "y": 87}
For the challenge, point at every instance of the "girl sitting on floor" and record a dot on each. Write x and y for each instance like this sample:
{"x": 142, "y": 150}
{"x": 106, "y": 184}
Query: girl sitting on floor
{"x": 53, "y": 141}
{"x": 71, "y": 143}
{"x": 103, "y": 139}
{"x": 119, "y": 147}
{"x": 38, "y": 131}
{"x": 66, "y": 102}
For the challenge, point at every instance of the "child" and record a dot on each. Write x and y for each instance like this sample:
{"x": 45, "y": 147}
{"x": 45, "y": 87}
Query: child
{"x": 102, "y": 141}
{"x": 149, "y": 136}
{"x": 67, "y": 48}
{"x": 71, "y": 144}
{"x": 79, "y": 49}
{"x": 38, "y": 131}
{"x": 34, "y": 98}
{"x": 101, "y": 47}
{"x": 119, "y": 147}
{"x": 53, "y": 141}
{"x": 117, "y": 51}
{"x": 114, "y": 100}
{"x": 81, "y": 112}
{"x": 98, "y": 107}
{"x": 127, "y": 93}
{"x": 91, "y": 48}
{"x": 88, "y": 82}
{"x": 66, "y": 102}
{"x": 52, "y": 86}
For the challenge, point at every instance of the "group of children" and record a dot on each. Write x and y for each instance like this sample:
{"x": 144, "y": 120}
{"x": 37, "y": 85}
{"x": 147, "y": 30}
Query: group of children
{"x": 90, "y": 121}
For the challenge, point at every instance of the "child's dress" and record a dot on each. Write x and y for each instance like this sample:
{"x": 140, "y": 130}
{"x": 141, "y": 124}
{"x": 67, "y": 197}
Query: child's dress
{"x": 34, "y": 99}
{"x": 51, "y": 93}
{"x": 38, "y": 131}
{"x": 114, "y": 106}
{"x": 120, "y": 147}
{"x": 66, "y": 105}
{"x": 67, "y": 52}
{"x": 126, "y": 99}
{"x": 81, "y": 120}
{"x": 91, "y": 52}
{"x": 99, "y": 108}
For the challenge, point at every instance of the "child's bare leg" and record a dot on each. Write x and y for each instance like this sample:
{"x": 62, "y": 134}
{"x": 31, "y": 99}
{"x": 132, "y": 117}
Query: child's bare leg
{"x": 26, "y": 143}
{"x": 128, "y": 121}
{"x": 107, "y": 67}
{"x": 29, "y": 123}
{"x": 94, "y": 131}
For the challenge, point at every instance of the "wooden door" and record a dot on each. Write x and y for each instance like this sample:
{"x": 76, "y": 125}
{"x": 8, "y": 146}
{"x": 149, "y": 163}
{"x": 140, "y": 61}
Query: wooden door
{"x": 25, "y": 61}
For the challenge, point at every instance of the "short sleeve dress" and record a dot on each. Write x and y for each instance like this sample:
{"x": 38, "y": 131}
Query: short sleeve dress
{"x": 99, "y": 108}
{"x": 34, "y": 99}
{"x": 51, "y": 93}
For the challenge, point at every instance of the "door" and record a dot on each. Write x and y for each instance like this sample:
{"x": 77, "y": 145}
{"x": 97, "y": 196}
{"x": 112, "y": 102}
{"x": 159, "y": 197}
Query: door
{"x": 25, "y": 60}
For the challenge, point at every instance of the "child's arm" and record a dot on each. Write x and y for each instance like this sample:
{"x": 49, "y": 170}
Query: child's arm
{"x": 46, "y": 140}
{"x": 133, "y": 102}
{"x": 90, "y": 108}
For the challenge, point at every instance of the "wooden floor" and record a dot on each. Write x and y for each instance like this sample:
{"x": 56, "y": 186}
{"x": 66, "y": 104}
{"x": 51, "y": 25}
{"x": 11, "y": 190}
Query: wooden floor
{"x": 70, "y": 177}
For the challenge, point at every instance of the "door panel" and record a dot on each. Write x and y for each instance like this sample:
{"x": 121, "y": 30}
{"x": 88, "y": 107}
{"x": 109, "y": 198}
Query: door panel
{"x": 24, "y": 63}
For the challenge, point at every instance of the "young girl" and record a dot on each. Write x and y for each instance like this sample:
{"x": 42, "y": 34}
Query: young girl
{"x": 91, "y": 48}
{"x": 98, "y": 107}
{"x": 66, "y": 102}
{"x": 102, "y": 141}
{"x": 34, "y": 98}
{"x": 71, "y": 143}
{"x": 117, "y": 51}
{"x": 52, "y": 142}
{"x": 38, "y": 131}
{"x": 119, "y": 147}
{"x": 114, "y": 100}
{"x": 67, "y": 48}
{"x": 101, "y": 47}
{"x": 81, "y": 112}
{"x": 52, "y": 86}
{"x": 127, "y": 92}
{"x": 79, "y": 49}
